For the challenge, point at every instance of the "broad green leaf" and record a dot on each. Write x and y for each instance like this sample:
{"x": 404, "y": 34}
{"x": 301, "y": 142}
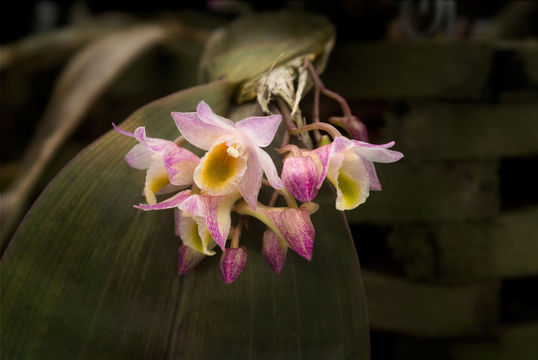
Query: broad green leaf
{"x": 80, "y": 84}
{"x": 243, "y": 51}
{"x": 87, "y": 276}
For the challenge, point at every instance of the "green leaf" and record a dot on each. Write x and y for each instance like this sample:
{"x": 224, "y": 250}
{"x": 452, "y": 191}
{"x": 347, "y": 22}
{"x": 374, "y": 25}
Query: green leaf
{"x": 243, "y": 51}
{"x": 87, "y": 276}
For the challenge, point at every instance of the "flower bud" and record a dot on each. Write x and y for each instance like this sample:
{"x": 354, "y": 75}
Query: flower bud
{"x": 300, "y": 176}
{"x": 274, "y": 250}
{"x": 232, "y": 264}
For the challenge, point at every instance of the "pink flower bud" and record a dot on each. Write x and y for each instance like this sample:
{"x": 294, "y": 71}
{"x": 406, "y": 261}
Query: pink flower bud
{"x": 356, "y": 128}
{"x": 232, "y": 264}
{"x": 300, "y": 176}
{"x": 274, "y": 250}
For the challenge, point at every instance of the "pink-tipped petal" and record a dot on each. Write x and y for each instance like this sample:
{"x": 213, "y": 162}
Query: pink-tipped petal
{"x": 274, "y": 250}
{"x": 121, "y": 131}
{"x": 251, "y": 182}
{"x": 296, "y": 228}
{"x": 260, "y": 130}
{"x": 209, "y": 117}
{"x": 232, "y": 264}
{"x": 154, "y": 144}
{"x": 139, "y": 157}
{"x": 180, "y": 164}
{"x": 268, "y": 166}
{"x": 300, "y": 176}
{"x": 187, "y": 259}
{"x": 169, "y": 203}
{"x": 197, "y": 132}
{"x": 216, "y": 210}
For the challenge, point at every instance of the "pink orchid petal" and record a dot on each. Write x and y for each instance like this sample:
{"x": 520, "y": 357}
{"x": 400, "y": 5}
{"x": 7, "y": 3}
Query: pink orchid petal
{"x": 209, "y": 117}
{"x": 232, "y": 264}
{"x": 296, "y": 228}
{"x": 197, "y": 132}
{"x": 260, "y": 130}
{"x": 274, "y": 250}
{"x": 300, "y": 176}
{"x": 216, "y": 210}
{"x": 377, "y": 153}
{"x": 121, "y": 131}
{"x": 139, "y": 157}
{"x": 251, "y": 182}
{"x": 169, "y": 203}
{"x": 180, "y": 164}
{"x": 154, "y": 144}
{"x": 268, "y": 166}
{"x": 188, "y": 258}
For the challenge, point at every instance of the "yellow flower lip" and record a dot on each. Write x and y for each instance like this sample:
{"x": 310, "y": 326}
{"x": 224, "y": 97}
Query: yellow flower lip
{"x": 220, "y": 170}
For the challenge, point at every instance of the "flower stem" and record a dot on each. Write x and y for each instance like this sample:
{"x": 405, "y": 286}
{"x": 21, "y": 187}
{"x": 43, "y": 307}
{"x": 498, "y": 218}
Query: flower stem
{"x": 331, "y": 130}
{"x": 290, "y": 201}
{"x": 294, "y": 149}
{"x": 237, "y": 233}
{"x": 320, "y": 87}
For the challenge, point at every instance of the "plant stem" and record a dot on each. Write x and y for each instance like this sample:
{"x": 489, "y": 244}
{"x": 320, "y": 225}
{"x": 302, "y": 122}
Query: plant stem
{"x": 331, "y": 130}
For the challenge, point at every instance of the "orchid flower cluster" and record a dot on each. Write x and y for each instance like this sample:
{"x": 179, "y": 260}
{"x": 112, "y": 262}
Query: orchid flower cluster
{"x": 228, "y": 178}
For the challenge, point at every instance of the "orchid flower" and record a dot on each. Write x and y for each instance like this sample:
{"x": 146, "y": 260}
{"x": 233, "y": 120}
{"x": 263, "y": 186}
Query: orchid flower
{"x": 208, "y": 212}
{"x": 168, "y": 165}
{"x": 193, "y": 232}
{"x": 234, "y": 160}
{"x": 348, "y": 164}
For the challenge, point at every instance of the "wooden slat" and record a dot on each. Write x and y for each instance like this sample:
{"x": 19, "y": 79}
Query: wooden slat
{"x": 431, "y": 192}
{"x": 416, "y": 309}
{"x": 467, "y": 252}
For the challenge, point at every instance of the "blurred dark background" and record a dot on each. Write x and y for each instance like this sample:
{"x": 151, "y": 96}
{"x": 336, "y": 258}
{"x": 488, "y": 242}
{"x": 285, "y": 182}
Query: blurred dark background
{"x": 449, "y": 248}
